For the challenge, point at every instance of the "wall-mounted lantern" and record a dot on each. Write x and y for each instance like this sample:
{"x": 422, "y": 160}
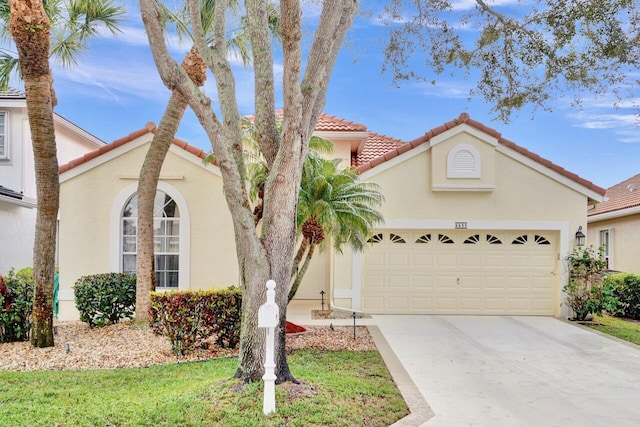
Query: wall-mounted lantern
{"x": 580, "y": 237}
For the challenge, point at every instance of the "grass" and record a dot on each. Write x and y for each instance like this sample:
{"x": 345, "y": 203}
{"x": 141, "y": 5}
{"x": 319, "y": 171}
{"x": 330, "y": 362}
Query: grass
{"x": 340, "y": 388}
{"x": 620, "y": 328}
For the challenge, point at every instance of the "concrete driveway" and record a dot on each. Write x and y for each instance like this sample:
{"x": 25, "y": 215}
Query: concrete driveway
{"x": 516, "y": 371}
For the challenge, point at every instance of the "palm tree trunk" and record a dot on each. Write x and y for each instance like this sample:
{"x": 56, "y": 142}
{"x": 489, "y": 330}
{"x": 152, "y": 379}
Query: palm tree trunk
{"x": 29, "y": 27}
{"x": 301, "y": 251}
{"x": 147, "y": 187}
{"x": 296, "y": 283}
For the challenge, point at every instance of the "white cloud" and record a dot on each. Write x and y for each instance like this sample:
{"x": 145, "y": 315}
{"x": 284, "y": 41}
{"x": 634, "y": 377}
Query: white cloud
{"x": 470, "y": 4}
{"x": 445, "y": 90}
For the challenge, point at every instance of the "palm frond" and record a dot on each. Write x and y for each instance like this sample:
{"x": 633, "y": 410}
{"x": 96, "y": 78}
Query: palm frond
{"x": 8, "y": 66}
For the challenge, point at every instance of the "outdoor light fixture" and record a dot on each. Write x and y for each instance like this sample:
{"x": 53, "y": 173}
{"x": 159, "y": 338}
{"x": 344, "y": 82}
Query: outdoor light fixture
{"x": 580, "y": 237}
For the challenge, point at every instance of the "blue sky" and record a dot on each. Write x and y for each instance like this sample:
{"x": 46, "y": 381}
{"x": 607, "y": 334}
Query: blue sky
{"x": 116, "y": 90}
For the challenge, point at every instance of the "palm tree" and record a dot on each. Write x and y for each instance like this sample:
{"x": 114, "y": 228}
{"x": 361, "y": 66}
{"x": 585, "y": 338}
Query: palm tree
{"x": 30, "y": 24}
{"x": 332, "y": 204}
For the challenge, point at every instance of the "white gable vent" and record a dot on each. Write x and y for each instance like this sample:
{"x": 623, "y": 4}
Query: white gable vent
{"x": 463, "y": 161}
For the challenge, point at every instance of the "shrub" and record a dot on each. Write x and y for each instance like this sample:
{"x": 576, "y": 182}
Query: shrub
{"x": 584, "y": 291}
{"x": 104, "y": 299}
{"x": 188, "y": 318}
{"x": 16, "y": 305}
{"x": 626, "y": 288}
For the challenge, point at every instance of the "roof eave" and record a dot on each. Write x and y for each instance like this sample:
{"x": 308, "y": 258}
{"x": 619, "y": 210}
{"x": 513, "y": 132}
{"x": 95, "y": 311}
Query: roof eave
{"x": 613, "y": 214}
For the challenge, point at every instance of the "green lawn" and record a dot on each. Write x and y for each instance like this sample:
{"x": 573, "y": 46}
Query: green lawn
{"x": 620, "y": 328}
{"x": 341, "y": 388}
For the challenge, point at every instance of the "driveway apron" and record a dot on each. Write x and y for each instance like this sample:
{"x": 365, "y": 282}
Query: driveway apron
{"x": 516, "y": 371}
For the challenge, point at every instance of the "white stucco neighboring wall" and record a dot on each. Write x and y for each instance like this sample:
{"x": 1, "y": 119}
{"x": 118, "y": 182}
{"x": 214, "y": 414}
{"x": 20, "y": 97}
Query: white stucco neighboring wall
{"x": 17, "y": 172}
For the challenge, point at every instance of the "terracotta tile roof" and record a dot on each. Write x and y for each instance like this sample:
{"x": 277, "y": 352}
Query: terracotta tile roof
{"x": 464, "y": 118}
{"x": 149, "y": 128}
{"x": 375, "y": 146}
{"x": 327, "y": 123}
{"x": 621, "y": 196}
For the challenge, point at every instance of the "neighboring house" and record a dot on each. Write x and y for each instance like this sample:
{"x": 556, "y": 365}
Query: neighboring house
{"x": 474, "y": 224}
{"x": 17, "y": 175}
{"x": 614, "y": 226}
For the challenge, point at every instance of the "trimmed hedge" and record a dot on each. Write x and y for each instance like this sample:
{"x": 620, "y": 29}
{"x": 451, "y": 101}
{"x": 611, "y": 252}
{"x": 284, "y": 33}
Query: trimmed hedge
{"x": 188, "y": 318}
{"x": 626, "y": 288}
{"x": 104, "y": 299}
{"x": 16, "y": 305}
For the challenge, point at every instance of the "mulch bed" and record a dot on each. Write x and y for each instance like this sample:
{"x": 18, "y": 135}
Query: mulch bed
{"x": 131, "y": 345}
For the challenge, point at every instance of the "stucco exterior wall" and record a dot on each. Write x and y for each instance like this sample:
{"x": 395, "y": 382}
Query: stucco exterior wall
{"x": 624, "y": 236}
{"x": 88, "y": 246}
{"x": 523, "y": 198}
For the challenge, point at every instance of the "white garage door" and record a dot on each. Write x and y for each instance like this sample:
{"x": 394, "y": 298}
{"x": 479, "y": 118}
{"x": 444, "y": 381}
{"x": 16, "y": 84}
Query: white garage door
{"x": 460, "y": 272}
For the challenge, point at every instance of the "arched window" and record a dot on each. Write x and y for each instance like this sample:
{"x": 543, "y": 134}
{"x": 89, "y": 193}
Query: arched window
{"x": 463, "y": 161}
{"x": 166, "y": 232}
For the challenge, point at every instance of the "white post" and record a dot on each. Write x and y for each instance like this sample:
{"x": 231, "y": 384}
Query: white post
{"x": 268, "y": 316}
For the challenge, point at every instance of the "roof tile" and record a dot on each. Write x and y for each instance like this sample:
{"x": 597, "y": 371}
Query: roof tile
{"x": 621, "y": 196}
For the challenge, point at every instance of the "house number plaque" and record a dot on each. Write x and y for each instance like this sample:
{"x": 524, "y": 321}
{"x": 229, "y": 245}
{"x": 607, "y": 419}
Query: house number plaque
{"x": 460, "y": 225}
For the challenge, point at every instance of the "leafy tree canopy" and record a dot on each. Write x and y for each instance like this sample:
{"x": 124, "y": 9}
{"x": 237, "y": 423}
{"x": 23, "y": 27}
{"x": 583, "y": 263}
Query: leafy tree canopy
{"x": 521, "y": 52}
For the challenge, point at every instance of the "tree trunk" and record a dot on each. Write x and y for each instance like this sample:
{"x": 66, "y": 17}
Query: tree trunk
{"x": 300, "y": 274}
{"x": 30, "y": 27}
{"x": 147, "y": 187}
{"x": 269, "y": 253}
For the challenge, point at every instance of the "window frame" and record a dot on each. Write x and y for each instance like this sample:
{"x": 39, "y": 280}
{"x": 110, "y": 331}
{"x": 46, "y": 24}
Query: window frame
{"x": 115, "y": 230}
{"x": 4, "y": 134}
{"x": 606, "y": 243}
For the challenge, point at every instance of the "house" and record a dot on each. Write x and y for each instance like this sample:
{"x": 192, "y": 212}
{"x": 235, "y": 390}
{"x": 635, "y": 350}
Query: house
{"x": 474, "y": 224}
{"x": 17, "y": 175}
{"x": 614, "y": 226}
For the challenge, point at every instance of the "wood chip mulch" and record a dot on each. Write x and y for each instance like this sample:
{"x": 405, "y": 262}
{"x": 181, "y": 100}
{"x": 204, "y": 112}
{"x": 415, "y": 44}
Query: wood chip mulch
{"x": 129, "y": 345}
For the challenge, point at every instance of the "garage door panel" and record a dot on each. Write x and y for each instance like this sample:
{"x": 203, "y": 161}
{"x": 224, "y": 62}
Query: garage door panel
{"x": 495, "y": 260}
{"x": 446, "y": 282}
{"x": 422, "y": 259}
{"x": 374, "y": 281}
{"x": 398, "y": 303}
{"x": 398, "y": 260}
{"x": 471, "y": 260}
{"x": 374, "y": 259}
{"x": 497, "y": 273}
{"x": 518, "y": 260}
{"x": 422, "y": 304}
{"x": 541, "y": 260}
{"x": 495, "y": 304}
{"x": 495, "y": 282}
{"x": 399, "y": 281}
{"x": 375, "y": 304}
{"x": 421, "y": 282}
{"x": 541, "y": 283}
{"x": 519, "y": 282}
{"x": 446, "y": 304}
{"x": 444, "y": 260}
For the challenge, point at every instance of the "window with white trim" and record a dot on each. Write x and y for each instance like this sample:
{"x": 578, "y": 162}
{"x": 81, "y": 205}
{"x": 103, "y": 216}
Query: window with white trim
{"x": 463, "y": 161}
{"x": 166, "y": 232}
{"x": 605, "y": 243}
{"x": 4, "y": 143}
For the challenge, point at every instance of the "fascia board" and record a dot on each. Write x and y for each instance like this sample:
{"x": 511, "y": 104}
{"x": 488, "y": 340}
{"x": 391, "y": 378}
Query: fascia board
{"x": 614, "y": 214}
